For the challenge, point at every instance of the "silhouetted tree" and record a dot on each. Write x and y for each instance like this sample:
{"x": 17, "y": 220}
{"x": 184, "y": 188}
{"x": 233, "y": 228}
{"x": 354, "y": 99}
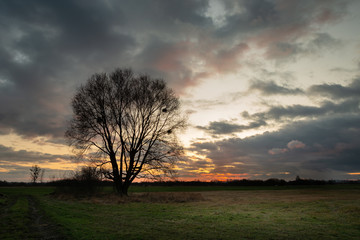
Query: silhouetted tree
{"x": 86, "y": 180}
{"x": 131, "y": 121}
{"x": 88, "y": 174}
{"x": 35, "y": 173}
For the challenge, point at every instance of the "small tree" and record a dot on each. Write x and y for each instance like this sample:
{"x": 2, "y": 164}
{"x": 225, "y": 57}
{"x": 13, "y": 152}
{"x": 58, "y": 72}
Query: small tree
{"x": 88, "y": 174}
{"x": 87, "y": 180}
{"x": 131, "y": 121}
{"x": 35, "y": 173}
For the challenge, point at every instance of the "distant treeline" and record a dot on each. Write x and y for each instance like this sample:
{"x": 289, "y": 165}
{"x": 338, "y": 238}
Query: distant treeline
{"x": 242, "y": 182}
{"x": 248, "y": 182}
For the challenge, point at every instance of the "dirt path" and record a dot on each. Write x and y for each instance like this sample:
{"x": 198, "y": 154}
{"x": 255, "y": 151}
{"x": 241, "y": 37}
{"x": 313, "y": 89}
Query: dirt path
{"x": 6, "y": 205}
{"x": 41, "y": 224}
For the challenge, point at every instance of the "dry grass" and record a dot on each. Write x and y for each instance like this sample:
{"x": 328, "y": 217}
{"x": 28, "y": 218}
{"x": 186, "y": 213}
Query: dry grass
{"x": 150, "y": 197}
{"x": 305, "y": 213}
{"x": 168, "y": 197}
{"x": 278, "y": 196}
{"x": 218, "y": 197}
{"x": 312, "y": 213}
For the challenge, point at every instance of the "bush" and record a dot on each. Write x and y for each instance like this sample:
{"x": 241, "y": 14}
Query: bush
{"x": 85, "y": 182}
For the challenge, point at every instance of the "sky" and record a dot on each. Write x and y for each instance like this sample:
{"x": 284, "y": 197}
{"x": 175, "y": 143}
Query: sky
{"x": 271, "y": 88}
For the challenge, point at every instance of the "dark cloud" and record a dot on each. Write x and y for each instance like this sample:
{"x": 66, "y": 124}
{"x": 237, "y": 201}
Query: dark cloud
{"x": 342, "y": 100}
{"x": 315, "y": 45}
{"x": 49, "y": 47}
{"x": 312, "y": 141}
{"x": 221, "y": 127}
{"x": 281, "y": 50}
{"x": 349, "y": 104}
{"x": 15, "y": 164}
{"x": 44, "y": 45}
{"x": 326, "y": 146}
{"x": 288, "y": 20}
{"x": 343, "y": 70}
{"x": 225, "y": 127}
{"x": 322, "y": 40}
{"x": 271, "y": 88}
{"x": 11, "y": 156}
{"x": 247, "y": 16}
{"x": 337, "y": 91}
{"x": 284, "y": 33}
{"x": 301, "y": 111}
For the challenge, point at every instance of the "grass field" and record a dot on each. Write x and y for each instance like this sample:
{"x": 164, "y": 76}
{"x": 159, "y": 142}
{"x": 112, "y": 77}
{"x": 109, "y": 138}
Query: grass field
{"x": 323, "y": 212}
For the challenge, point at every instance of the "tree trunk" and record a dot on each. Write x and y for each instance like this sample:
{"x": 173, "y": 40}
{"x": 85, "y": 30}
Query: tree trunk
{"x": 124, "y": 190}
{"x": 118, "y": 186}
{"x": 117, "y": 178}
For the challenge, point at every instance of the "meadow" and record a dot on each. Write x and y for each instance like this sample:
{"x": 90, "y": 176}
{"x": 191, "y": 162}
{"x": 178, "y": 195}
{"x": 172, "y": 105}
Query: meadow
{"x": 312, "y": 212}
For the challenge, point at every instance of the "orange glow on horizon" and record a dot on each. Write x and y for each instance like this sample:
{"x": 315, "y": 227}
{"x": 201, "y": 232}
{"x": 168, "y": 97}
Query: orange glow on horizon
{"x": 223, "y": 176}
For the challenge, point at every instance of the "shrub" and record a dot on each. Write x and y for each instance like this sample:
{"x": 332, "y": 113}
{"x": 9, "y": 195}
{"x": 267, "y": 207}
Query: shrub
{"x": 85, "y": 182}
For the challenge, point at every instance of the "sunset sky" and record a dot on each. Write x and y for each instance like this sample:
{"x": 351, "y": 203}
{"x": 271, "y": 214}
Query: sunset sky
{"x": 271, "y": 88}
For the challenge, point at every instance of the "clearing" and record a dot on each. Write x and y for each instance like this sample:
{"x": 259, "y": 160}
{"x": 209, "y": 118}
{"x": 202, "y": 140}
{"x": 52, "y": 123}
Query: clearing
{"x": 305, "y": 213}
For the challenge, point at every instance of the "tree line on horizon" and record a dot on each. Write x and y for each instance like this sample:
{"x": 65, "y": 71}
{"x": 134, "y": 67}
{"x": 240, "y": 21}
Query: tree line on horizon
{"x": 230, "y": 182}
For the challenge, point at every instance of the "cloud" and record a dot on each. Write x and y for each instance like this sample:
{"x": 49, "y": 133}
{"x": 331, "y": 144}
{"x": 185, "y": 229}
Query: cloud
{"x": 279, "y": 23}
{"x": 309, "y": 141}
{"x": 332, "y": 147}
{"x": 286, "y": 112}
{"x": 295, "y": 144}
{"x": 280, "y": 114}
{"x": 343, "y": 99}
{"x": 221, "y": 127}
{"x": 48, "y": 47}
{"x": 42, "y": 52}
{"x": 275, "y": 151}
{"x": 225, "y": 127}
{"x": 10, "y": 156}
{"x": 15, "y": 164}
{"x": 337, "y": 91}
{"x": 322, "y": 40}
{"x": 311, "y": 46}
{"x": 271, "y": 88}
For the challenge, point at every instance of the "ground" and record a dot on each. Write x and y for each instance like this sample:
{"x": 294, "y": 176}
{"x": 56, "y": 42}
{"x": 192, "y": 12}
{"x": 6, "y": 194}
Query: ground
{"x": 321, "y": 212}
{"x": 22, "y": 217}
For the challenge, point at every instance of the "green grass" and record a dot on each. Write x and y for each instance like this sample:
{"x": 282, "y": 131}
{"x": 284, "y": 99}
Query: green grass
{"x": 16, "y": 221}
{"x": 35, "y": 191}
{"x": 234, "y": 188}
{"x": 314, "y": 213}
{"x": 335, "y": 219}
{"x": 15, "y": 218}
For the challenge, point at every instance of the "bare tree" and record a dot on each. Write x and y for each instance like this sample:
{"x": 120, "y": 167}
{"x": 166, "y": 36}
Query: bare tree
{"x": 131, "y": 121}
{"x": 88, "y": 174}
{"x": 35, "y": 173}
